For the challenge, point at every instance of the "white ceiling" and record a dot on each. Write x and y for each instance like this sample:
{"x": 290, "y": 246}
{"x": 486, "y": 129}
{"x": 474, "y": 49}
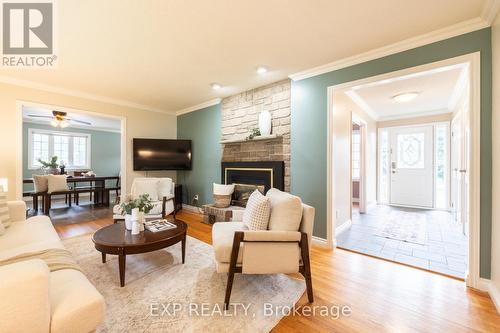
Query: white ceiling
{"x": 438, "y": 91}
{"x": 97, "y": 123}
{"x": 165, "y": 54}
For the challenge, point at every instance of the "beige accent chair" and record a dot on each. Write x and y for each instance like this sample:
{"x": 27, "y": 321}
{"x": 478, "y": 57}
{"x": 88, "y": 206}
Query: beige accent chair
{"x": 160, "y": 189}
{"x": 33, "y": 299}
{"x": 239, "y": 250}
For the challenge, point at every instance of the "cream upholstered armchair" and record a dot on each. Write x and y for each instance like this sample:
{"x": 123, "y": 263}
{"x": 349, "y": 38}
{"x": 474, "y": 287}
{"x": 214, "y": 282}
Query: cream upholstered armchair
{"x": 240, "y": 250}
{"x": 161, "y": 192}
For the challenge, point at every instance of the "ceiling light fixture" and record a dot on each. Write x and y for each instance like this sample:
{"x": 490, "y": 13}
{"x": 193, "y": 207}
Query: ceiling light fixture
{"x": 405, "y": 97}
{"x": 215, "y": 86}
{"x": 262, "y": 70}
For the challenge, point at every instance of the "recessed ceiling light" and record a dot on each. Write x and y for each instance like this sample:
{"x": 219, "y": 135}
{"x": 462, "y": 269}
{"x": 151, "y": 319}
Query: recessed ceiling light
{"x": 405, "y": 97}
{"x": 261, "y": 69}
{"x": 215, "y": 86}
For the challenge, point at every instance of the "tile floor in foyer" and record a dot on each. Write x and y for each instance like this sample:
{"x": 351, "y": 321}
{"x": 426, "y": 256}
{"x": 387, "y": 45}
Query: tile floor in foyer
{"x": 445, "y": 249}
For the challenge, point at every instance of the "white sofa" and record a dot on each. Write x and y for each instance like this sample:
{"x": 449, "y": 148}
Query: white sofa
{"x": 161, "y": 190}
{"x": 32, "y": 299}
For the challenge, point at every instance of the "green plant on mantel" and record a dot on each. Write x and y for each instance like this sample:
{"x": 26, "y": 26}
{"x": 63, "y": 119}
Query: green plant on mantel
{"x": 51, "y": 164}
{"x": 255, "y": 132}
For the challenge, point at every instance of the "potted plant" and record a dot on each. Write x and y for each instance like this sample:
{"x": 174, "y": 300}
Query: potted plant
{"x": 135, "y": 210}
{"x": 127, "y": 208}
{"x": 50, "y": 166}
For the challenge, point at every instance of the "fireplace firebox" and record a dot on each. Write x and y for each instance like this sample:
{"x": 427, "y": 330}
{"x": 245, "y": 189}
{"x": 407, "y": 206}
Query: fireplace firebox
{"x": 248, "y": 176}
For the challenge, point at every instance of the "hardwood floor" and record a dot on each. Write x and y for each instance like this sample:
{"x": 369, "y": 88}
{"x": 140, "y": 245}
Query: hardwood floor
{"x": 382, "y": 296}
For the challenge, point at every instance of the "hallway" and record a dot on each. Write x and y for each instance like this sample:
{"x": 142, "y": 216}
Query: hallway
{"x": 439, "y": 244}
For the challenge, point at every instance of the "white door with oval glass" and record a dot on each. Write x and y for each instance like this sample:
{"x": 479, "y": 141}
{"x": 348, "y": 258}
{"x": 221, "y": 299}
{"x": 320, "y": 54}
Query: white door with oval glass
{"x": 411, "y": 169}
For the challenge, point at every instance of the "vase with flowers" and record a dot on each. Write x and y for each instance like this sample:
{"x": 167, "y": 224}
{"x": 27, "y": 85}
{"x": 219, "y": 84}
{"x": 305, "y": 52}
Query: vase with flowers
{"x": 134, "y": 212}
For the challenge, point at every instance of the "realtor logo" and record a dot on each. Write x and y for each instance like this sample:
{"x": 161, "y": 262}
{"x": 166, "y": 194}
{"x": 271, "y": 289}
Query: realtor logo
{"x": 28, "y": 33}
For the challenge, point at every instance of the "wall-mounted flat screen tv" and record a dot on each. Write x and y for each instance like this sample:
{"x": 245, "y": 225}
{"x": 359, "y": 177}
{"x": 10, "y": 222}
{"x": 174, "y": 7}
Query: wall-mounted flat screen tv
{"x": 160, "y": 154}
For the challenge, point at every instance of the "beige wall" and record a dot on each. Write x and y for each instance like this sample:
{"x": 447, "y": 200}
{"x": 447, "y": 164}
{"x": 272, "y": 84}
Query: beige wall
{"x": 342, "y": 125}
{"x": 495, "y": 241}
{"x": 415, "y": 120}
{"x": 139, "y": 124}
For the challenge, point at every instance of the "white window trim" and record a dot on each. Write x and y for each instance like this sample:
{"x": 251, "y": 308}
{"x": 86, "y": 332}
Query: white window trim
{"x": 32, "y": 131}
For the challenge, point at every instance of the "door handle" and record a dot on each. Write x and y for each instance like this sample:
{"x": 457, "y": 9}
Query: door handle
{"x": 462, "y": 170}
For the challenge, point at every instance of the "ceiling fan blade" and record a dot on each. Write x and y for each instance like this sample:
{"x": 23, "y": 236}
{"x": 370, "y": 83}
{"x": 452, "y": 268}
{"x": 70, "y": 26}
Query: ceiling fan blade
{"x": 39, "y": 116}
{"x": 80, "y": 121}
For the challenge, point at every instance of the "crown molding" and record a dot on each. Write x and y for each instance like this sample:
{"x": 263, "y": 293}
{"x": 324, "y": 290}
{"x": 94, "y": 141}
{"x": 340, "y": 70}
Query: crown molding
{"x": 411, "y": 43}
{"x": 490, "y": 11}
{"x": 417, "y": 114}
{"x": 88, "y": 128}
{"x": 79, "y": 94}
{"x": 359, "y": 101}
{"x": 200, "y": 106}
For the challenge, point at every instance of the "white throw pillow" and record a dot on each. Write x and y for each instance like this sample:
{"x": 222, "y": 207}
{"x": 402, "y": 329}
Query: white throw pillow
{"x": 40, "y": 183}
{"x": 4, "y": 211}
{"x": 286, "y": 211}
{"x": 222, "y": 195}
{"x": 221, "y": 189}
{"x": 164, "y": 188}
{"x": 256, "y": 214}
{"x": 57, "y": 183}
{"x": 146, "y": 187}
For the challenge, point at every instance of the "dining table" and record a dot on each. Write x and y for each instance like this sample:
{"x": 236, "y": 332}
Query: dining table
{"x": 98, "y": 182}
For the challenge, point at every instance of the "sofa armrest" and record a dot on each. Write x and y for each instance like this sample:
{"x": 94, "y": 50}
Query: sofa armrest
{"x": 25, "y": 305}
{"x": 164, "y": 205}
{"x": 271, "y": 236}
{"x": 17, "y": 210}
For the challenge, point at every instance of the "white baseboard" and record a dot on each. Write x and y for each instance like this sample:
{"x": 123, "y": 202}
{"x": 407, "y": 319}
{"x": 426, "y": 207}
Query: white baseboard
{"x": 321, "y": 242}
{"x": 495, "y": 295}
{"x": 191, "y": 208}
{"x": 483, "y": 284}
{"x": 343, "y": 227}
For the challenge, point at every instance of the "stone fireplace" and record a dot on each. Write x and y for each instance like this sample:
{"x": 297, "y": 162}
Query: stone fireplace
{"x": 240, "y": 114}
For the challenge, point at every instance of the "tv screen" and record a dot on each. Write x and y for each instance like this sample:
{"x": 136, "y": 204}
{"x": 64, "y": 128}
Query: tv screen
{"x": 160, "y": 154}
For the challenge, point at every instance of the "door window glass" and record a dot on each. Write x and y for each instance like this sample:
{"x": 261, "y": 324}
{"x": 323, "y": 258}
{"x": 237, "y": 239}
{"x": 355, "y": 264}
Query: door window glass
{"x": 410, "y": 154}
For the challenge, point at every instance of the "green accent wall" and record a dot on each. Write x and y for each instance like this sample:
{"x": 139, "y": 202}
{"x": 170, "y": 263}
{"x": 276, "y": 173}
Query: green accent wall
{"x": 309, "y": 124}
{"x": 203, "y": 127}
{"x": 105, "y": 151}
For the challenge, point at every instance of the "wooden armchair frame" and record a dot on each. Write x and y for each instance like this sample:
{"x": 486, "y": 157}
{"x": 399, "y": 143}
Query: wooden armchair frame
{"x": 304, "y": 268}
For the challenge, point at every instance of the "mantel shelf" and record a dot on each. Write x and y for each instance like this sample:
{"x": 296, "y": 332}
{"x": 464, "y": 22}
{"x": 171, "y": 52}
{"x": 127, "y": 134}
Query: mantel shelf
{"x": 257, "y": 138}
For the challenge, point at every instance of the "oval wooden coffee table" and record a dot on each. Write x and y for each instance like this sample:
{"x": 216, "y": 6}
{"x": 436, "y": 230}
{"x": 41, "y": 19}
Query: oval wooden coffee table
{"x": 115, "y": 239}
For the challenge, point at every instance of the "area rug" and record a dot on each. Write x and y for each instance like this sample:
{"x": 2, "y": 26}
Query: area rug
{"x": 163, "y": 295}
{"x": 405, "y": 226}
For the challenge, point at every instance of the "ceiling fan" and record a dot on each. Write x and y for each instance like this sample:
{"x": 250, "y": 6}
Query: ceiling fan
{"x": 60, "y": 119}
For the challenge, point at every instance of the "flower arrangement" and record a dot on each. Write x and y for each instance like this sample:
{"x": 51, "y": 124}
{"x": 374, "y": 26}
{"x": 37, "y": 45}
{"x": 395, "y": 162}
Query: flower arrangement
{"x": 143, "y": 203}
{"x": 51, "y": 164}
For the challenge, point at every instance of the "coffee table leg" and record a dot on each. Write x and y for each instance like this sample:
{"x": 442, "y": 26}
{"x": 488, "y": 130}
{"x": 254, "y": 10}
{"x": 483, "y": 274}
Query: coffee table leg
{"x": 121, "y": 261}
{"x": 183, "y": 248}
{"x": 103, "y": 256}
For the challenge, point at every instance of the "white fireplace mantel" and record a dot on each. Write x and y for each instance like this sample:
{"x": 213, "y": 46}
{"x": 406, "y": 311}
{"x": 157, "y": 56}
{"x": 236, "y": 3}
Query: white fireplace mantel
{"x": 257, "y": 138}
